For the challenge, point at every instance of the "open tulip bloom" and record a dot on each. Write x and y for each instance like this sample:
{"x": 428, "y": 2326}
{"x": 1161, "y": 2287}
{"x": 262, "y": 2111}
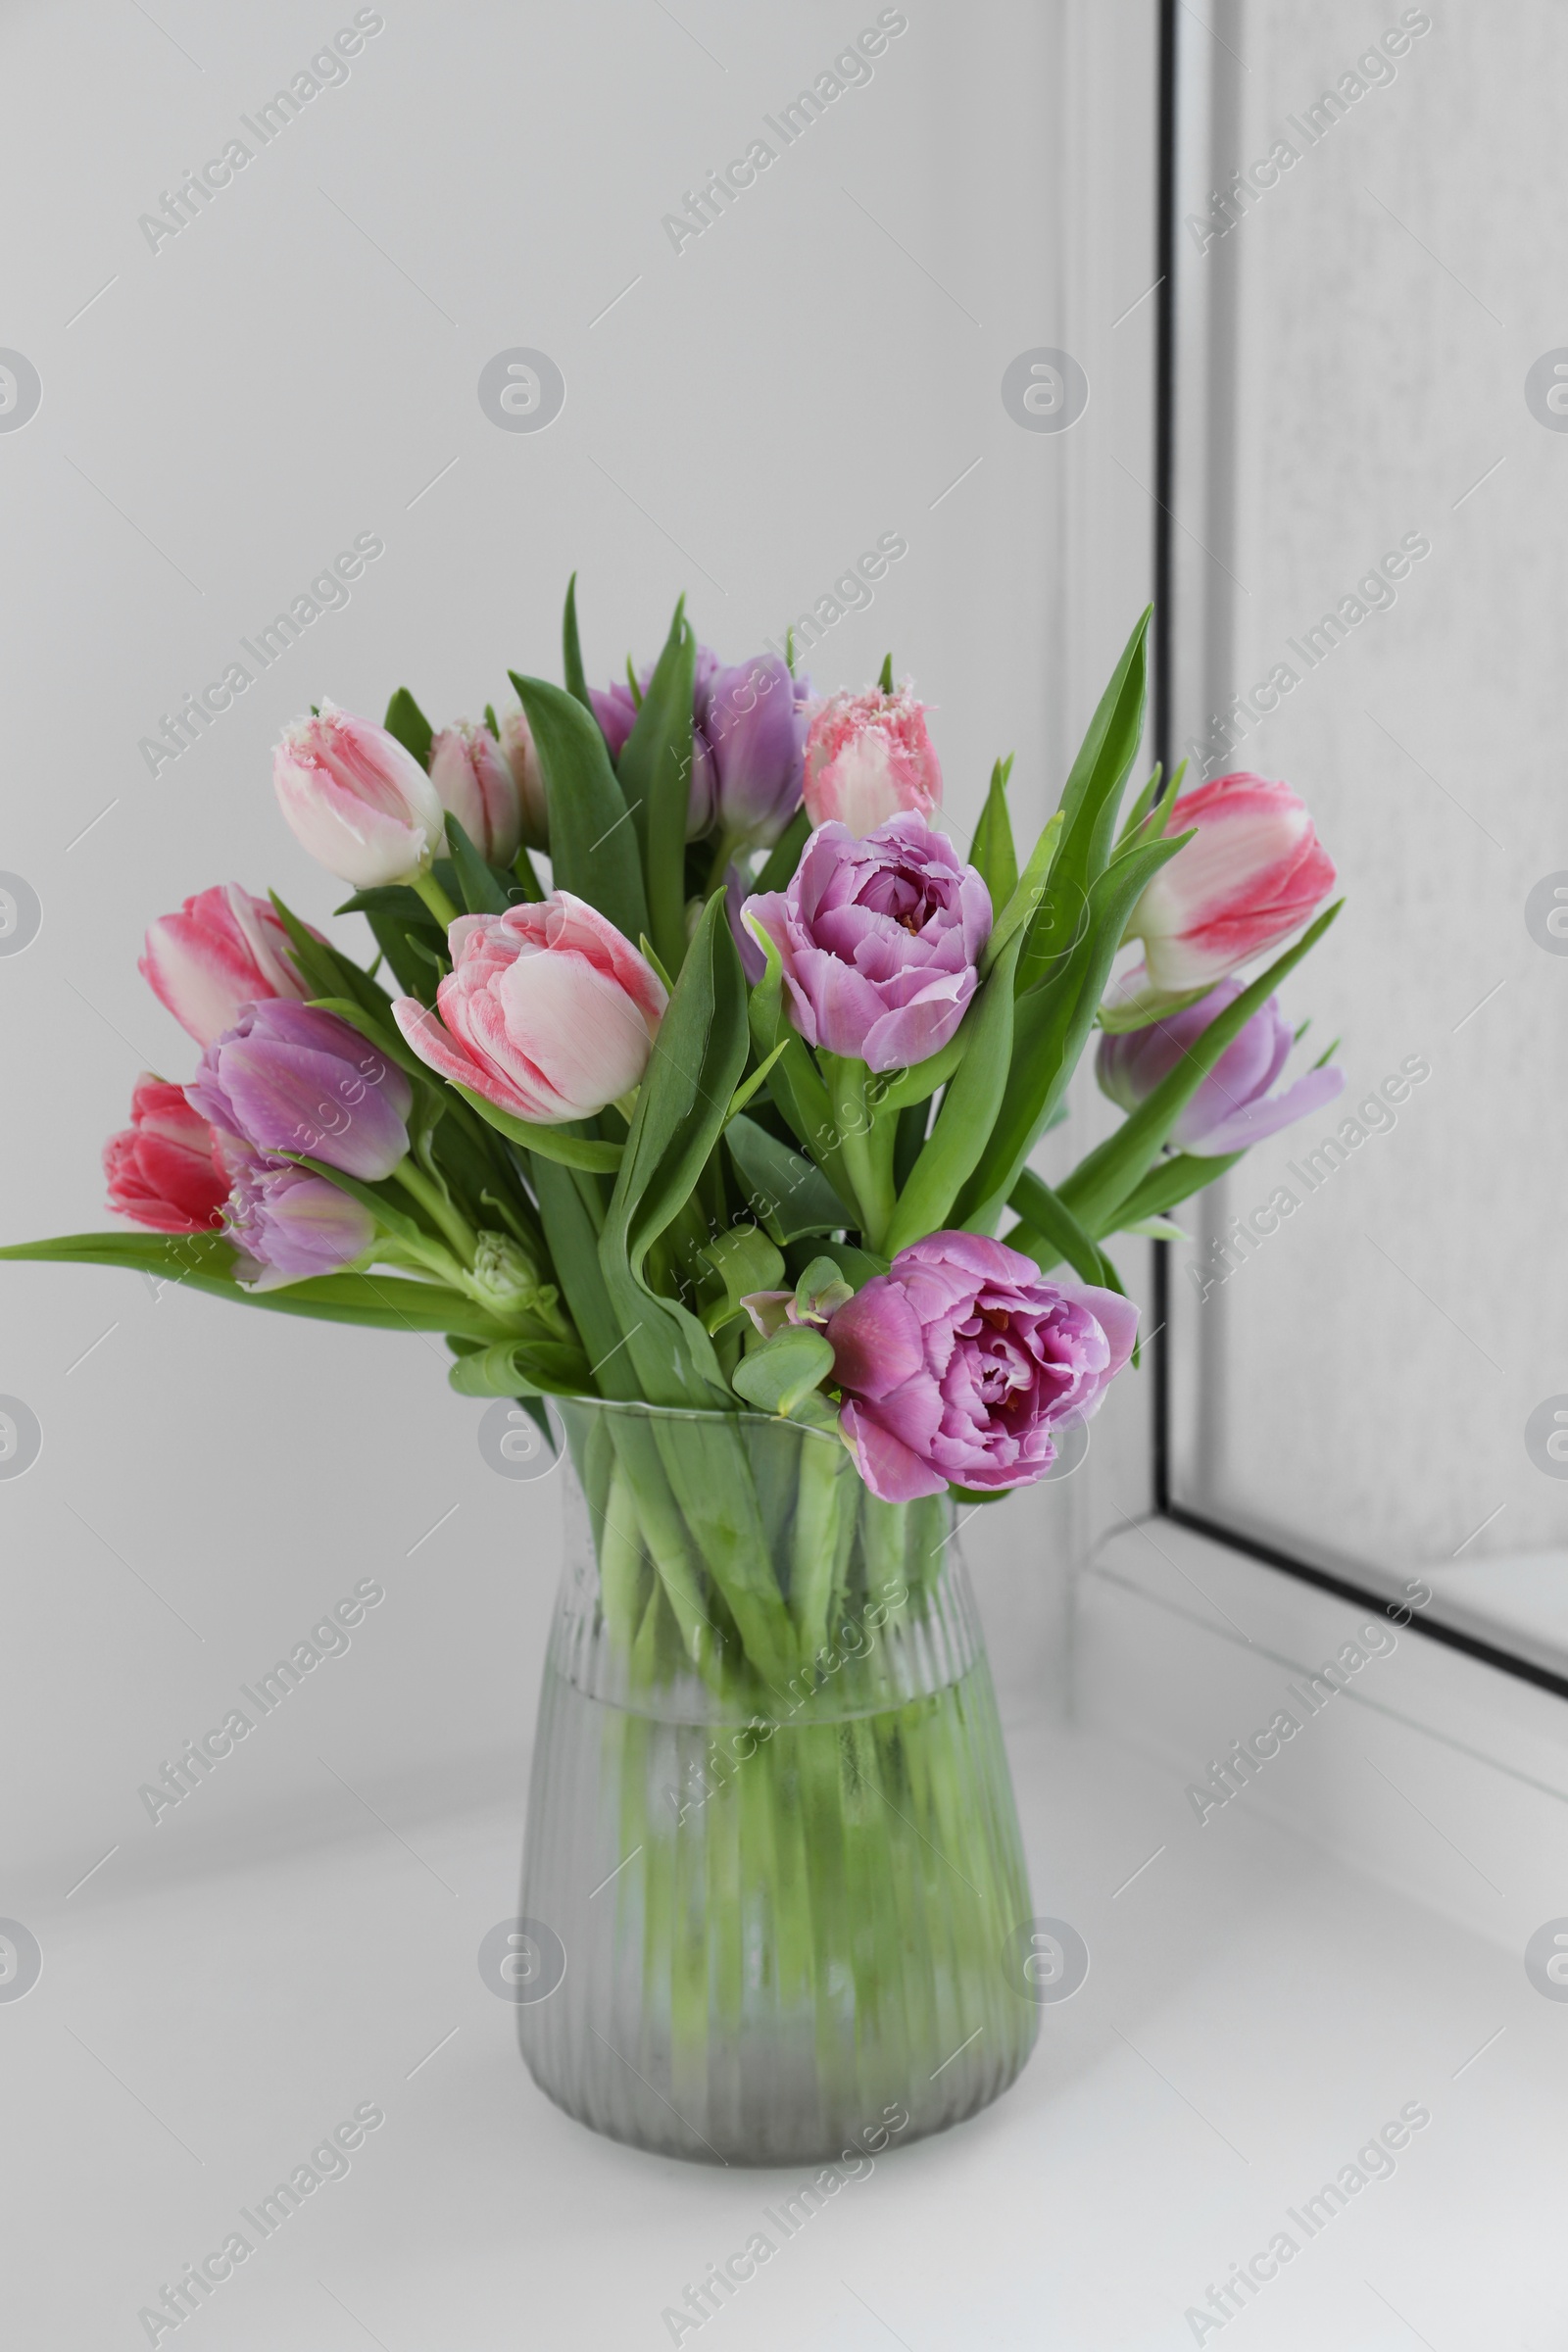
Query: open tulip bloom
{"x": 732, "y": 1110}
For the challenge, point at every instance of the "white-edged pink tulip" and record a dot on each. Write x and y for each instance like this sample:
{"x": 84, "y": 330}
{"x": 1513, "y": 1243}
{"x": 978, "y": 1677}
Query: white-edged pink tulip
{"x": 516, "y": 741}
{"x": 355, "y": 799}
{"x": 548, "y": 1013}
{"x": 1254, "y": 873}
{"x": 223, "y": 949}
{"x": 868, "y": 758}
{"x": 474, "y": 783}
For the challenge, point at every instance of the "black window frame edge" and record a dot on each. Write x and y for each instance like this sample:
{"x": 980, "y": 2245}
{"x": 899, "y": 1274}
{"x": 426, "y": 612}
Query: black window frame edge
{"x": 1166, "y": 1507}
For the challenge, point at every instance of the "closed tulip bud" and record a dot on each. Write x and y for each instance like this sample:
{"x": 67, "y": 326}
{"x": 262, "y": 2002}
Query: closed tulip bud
{"x": 222, "y": 950}
{"x": 356, "y": 799}
{"x": 165, "y": 1170}
{"x": 756, "y": 725}
{"x": 548, "y": 1013}
{"x": 506, "y": 1280}
{"x": 615, "y": 707}
{"x": 518, "y": 744}
{"x": 1253, "y": 872}
{"x": 1232, "y": 1108}
{"x": 868, "y": 758}
{"x": 474, "y": 782}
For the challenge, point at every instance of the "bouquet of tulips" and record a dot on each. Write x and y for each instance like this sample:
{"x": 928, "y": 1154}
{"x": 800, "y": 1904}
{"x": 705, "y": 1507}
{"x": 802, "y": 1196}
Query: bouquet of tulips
{"x": 709, "y": 1136}
{"x": 727, "y": 1114}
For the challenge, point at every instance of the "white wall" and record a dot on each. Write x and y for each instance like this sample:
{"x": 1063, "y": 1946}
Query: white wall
{"x": 295, "y": 368}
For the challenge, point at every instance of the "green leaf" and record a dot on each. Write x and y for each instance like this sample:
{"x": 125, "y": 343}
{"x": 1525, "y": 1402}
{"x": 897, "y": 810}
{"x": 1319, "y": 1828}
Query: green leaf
{"x": 1117, "y": 1020}
{"x": 1027, "y": 894}
{"x": 533, "y": 890}
{"x": 682, "y": 1106}
{"x": 968, "y": 1111}
{"x": 520, "y": 1368}
{"x": 749, "y": 1084}
{"x": 794, "y": 1080}
{"x": 1052, "y": 1022}
{"x": 1093, "y": 791}
{"x": 656, "y": 775}
{"x": 480, "y": 890}
{"x": 408, "y": 723}
{"x": 205, "y": 1263}
{"x": 784, "y": 856}
{"x": 1061, "y": 1235}
{"x": 593, "y": 849}
{"x": 564, "y": 1144}
{"x": 885, "y": 681}
{"x": 743, "y": 1259}
{"x": 788, "y": 1194}
{"x": 1098, "y": 1187}
{"x": 1169, "y": 1182}
{"x": 778, "y": 1374}
{"x": 326, "y": 970}
{"x": 992, "y": 849}
{"x": 565, "y": 1211}
{"x": 572, "y": 669}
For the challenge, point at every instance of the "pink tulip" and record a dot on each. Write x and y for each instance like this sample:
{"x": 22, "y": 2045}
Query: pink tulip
{"x": 223, "y": 949}
{"x": 474, "y": 784}
{"x": 1254, "y": 873}
{"x": 517, "y": 742}
{"x": 868, "y": 758}
{"x": 165, "y": 1170}
{"x": 549, "y": 1012}
{"x": 355, "y": 799}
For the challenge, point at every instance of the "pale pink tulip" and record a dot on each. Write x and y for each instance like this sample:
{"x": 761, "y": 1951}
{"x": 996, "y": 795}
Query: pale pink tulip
{"x": 355, "y": 799}
{"x": 547, "y": 1012}
{"x": 223, "y": 949}
{"x": 1253, "y": 872}
{"x": 517, "y": 742}
{"x": 868, "y": 758}
{"x": 474, "y": 784}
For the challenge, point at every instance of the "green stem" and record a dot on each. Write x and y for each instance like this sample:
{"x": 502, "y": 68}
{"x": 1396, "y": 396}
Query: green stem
{"x": 435, "y": 897}
{"x": 458, "y": 1232}
{"x": 867, "y": 1135}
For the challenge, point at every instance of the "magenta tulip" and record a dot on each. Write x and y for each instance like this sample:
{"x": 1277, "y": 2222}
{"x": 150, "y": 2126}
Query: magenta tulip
{"x": 474, "y": 783}
{"x": 879, "y": 938}
{"x": 164, "y": 1170}
{"x": 1232, "y": 1108}
{"x": 868, "y": 758}
{"x": 288, "y": 1078}
{"x": 548, "y": 1013}
{"x": 962, "y": 1361}
{"x": 222, "y": 950}
{"x": 356, "y": 799}
{"x": 1255, "y": 872}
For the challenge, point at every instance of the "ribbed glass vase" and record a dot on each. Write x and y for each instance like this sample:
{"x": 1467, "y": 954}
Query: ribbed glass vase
{"x": 772, "y": 1861}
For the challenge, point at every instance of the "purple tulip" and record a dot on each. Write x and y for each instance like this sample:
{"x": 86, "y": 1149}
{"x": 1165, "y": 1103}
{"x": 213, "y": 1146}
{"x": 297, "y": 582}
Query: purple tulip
{"x": 879, "y": 939}
{"x": 289, "y": 1224}
{"x": 963, "y": 1360}
{"x": 287, "y": 1078}
{"x": 754, "y": 720}
{"x": 1233, "y": 1107}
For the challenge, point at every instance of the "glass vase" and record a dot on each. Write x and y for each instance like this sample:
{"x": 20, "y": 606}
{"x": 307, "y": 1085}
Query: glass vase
{"x": 772, "y": 1862}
